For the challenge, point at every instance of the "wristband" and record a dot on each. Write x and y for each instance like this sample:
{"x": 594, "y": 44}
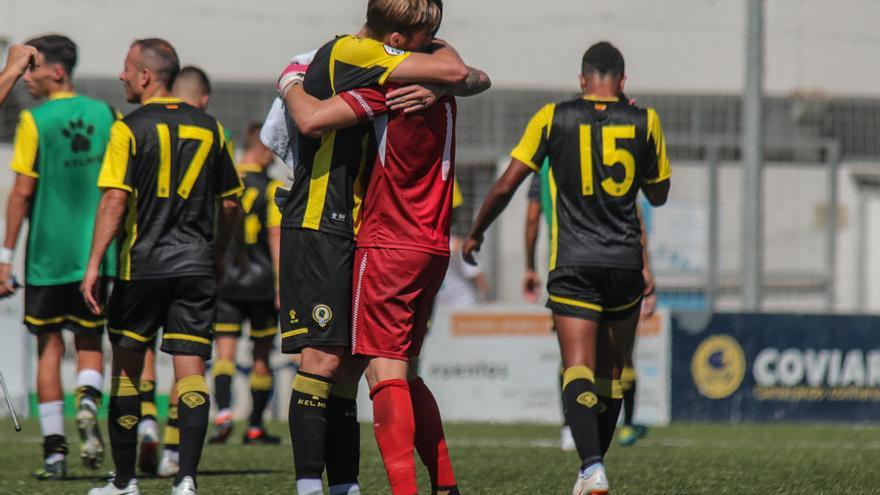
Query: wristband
{"x": 6, "y": 255}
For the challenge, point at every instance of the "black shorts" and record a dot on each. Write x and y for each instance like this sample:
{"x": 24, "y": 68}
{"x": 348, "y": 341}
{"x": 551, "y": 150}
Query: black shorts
{"x": 592, "y": 293}
{"x": 183, "y": 307}
{"x": 50, "y": 308}
{"x": 262, "y": 316}
{"x": 315, "y": 285}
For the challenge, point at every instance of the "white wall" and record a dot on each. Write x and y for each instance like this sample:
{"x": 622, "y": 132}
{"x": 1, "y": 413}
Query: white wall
{"x": 671, "y": 46}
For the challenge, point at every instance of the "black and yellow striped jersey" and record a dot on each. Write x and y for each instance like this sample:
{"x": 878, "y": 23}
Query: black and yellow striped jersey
{"x": 601, "y": 151}
{"x": 328, "y": 182}
{"x": 173, "y": 160}
{"x": 250, "y": 273}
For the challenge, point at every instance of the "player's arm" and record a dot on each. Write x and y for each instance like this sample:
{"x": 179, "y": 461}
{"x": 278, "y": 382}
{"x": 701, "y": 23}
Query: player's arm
{"x": 111, "y": 209}
{"x": 314, "y": 117}
{"x": 24, "y": 164}
{"x": 115, "y": 181}
{"x": 656, "y": 176}
{"x": 19, "y": 58}
{"x": 442, "y": 66}
{"x": 416, "y": 97}
{"x": 495, "y": 202}
{"x": 649, "y": 301}
{"x": 532, "y": 149}
{"x": 229, "y": 187}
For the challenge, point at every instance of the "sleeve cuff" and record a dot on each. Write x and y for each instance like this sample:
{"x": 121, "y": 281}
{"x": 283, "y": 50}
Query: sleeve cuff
{"x": 393, "y": 65}
{"x": 114, "y": 185}
{"x": 526, "y": 161}
{"x": 663, "y": 177}
{"x": 19, "y": 169}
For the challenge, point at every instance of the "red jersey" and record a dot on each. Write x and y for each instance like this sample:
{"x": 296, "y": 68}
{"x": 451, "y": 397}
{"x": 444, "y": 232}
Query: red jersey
{"x": 408, "y": 204}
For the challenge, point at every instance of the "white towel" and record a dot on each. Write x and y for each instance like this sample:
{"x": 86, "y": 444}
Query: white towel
{"x": 279, "y": 132}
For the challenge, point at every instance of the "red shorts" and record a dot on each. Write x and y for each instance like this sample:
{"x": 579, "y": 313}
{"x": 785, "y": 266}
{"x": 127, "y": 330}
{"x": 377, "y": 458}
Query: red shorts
{"x": 392, "y": 300}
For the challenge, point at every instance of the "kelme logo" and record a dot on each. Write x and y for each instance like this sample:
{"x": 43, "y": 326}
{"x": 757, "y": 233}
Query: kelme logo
{"x": 79, "y": 133}
{"x": 588, "y": 399}
{"x": 128, "y": 422}
{"x": 193, "y": 399}
{"x": 718, "y": 366}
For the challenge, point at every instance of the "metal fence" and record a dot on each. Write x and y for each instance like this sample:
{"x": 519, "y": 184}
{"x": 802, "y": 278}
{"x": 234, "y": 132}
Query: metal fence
{"x": 696, "y": 237}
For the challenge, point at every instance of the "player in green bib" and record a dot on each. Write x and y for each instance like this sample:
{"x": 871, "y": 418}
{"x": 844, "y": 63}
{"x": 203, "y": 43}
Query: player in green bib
{"x": 59, "y": 146}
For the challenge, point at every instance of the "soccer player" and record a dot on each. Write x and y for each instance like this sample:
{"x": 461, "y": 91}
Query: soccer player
{"x": 317, "y": 230}
{"x": 602, "y": 151}
{"x": 193, "y": 87}
{"x": 56, "y": 159}
{"x": 248, "y": 293}
{"x": 18, "y": 59}
{"x": 168, "y": 172}
{"x": 401, "y": 259}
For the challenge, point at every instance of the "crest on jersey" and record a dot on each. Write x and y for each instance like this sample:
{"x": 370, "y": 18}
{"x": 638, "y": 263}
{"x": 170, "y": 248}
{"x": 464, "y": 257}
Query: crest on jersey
{"x": 322, "y": 314}
{"x": 390, "y": 50}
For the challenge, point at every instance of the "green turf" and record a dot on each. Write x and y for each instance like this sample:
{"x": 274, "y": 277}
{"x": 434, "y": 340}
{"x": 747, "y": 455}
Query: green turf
{"x": 524, "y": 459}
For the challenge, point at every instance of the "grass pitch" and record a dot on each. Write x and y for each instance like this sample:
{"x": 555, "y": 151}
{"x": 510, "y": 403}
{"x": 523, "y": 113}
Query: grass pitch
{"x": 525, "y": 459}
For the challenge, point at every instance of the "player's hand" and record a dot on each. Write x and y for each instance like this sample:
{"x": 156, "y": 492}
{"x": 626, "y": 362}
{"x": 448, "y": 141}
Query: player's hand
{"x": 531, "y": 286}
{"x": 19, "y": 58}
{"x": 6, "y": 286}
{"x": 291, "y": 75}
{"x": 415, "y": 97}
{"x": 91, "y": 290}
{"x": 471, "y": 245}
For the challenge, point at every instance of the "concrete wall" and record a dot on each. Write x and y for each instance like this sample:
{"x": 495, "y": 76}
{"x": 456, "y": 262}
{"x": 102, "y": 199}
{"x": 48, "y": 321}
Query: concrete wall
{"x": 671, "y": 46}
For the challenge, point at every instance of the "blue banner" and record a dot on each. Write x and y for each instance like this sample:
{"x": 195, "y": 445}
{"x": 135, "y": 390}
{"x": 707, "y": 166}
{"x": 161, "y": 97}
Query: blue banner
{"x": 763, "y": 367}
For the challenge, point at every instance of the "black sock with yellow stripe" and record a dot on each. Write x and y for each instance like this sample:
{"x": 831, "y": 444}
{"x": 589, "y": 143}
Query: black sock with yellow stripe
{"x": 628, "y": 383}
{"x": 343, "y": 442}
{"x": 124, "y": 411}
{"x": 224, "y": 371}
{"x": 192, "y": 420}
{"x": 171, "y": 437}
{"x": 88, "y": 394}
{"x": 581, "y": 409}
{"x": 308, "y": 424}
{"x": 610, "y": 399}
{"x": 147, "y": 390}
{"x": 261, "y": 392}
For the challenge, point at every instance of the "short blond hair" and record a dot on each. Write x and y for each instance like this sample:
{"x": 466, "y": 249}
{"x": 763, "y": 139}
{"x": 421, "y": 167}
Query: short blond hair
{"x": 403, "y": 16}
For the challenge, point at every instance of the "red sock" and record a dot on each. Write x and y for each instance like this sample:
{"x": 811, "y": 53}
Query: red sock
{"x": 430, "y": 442}
{"x": 395, "y": 431}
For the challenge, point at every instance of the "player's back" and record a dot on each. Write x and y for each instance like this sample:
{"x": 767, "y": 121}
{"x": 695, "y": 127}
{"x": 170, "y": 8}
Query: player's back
{"x": 250, "y": 274}
{"x": 600, "y": 153}
{"x": 177, "y": 168}
{"x": 328, "y": 185}
{"x": 408, "y": 203}
{"x": 71, "y": 133}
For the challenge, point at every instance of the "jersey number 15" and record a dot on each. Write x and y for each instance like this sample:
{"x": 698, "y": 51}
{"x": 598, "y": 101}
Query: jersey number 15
{"x": 611, "y": 156}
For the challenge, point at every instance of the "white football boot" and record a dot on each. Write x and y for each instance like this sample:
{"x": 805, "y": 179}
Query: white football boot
{"x": 591, "y": 481}
{"x": 110, "y": 489}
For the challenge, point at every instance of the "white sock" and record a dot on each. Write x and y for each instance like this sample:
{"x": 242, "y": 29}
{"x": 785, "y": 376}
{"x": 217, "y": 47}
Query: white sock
{"x": 147, "y": 424}
{"x": 53, "y": 458}
{"x": 52, "y": 418}
{"x": 90, "y": 378}
{"x": 345, "y": 489}
{"x": 309, "y": 486}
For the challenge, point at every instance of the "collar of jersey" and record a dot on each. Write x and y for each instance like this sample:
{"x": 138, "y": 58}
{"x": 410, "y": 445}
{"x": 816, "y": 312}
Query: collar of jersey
{"x": 163, "y": 100}
{"x": 601, "y": 98}
{"x": 60, "y": 95}
{"x": 249, "y": 167}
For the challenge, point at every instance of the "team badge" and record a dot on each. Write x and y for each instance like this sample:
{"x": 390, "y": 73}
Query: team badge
{"x": 193, "y": 399}
{"x": 588, "y": 399}
{"x": 128, "y": 422}
{"x": 146, "y": 386}
{"x": 293, "y": 318}
{"x": 322, "y": 315}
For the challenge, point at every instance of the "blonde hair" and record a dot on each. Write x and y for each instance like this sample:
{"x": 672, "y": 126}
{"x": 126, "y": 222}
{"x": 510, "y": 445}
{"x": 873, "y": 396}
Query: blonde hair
{"x": 403, "y": 16}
